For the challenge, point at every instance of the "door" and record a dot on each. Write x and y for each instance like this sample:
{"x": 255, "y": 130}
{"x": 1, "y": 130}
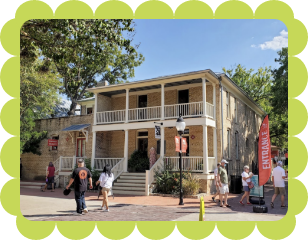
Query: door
{"x": 81, "y": 147}
{"x": 143, "y": 144}
{"x": 142, "y": 103}
{"x": 183, "y": 97}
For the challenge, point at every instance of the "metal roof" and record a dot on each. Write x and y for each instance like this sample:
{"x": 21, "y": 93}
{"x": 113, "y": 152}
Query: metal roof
{"x": 75, "y": 127}
{"x": 86, "y": 99}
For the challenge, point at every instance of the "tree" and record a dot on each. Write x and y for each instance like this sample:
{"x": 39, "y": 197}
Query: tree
{"x": 83, "y": 51}
{"x": 279, "y": 101}
{"x": 256, "y": 84}
{"x": 38, "y": 96}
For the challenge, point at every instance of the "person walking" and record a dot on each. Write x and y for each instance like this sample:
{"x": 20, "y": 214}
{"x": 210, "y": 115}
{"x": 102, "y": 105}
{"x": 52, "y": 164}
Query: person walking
{"x": 50, "y": 177}
{"x": 278, "y": 177}
{"x": 80, "y": 176}
{"x": 105, "y": 180}
{"x": 246, "y": 179}
{"x": 216, "y": 182}
{"x": 222, "y": 177}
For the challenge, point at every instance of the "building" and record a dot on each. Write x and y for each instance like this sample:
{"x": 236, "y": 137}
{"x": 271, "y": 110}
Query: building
{"x": 121, "y": 118}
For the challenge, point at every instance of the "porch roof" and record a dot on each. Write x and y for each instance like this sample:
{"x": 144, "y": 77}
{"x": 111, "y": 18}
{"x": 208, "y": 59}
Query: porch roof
{"x": 77, "y": 127}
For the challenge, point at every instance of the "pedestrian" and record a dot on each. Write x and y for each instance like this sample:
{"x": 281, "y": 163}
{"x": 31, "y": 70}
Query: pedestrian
{"x": 216, "y": 182}
{"x": 222, "y": 177}
{"x": 278, "y": 177}
{"x": 105, "y": 180}
{"x": 80, "y": 176}
{"x": 50, "y": 177}
{"x": 246, "y": 179}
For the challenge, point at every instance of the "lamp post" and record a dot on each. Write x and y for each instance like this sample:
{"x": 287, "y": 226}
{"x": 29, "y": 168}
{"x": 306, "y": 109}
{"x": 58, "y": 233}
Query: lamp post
{"x": 180, "y": 127}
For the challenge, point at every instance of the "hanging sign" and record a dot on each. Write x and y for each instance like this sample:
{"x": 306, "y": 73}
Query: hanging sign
{"x": 184, "y": 145}
{"x": 177, "y": 143}
{"x": 52, "y": 142}
{"x": 265, "y": 163}
{"x": 157, "y": 132}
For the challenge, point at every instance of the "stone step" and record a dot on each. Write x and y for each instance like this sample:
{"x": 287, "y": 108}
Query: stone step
{"x": 26, "y": 186}
{"x": 132, "y": 173}
{"x": 132, "y": 177}
{"x": 139, "y": 193}
{"x": 129, "y": 184}
{"x": 128, "y": 188}
{"x": 131, "y": 181}
{"x": 32, "y": 183}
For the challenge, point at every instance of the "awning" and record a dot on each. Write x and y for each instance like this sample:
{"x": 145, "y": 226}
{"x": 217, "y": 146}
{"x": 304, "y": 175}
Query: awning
{"x": 77, "y": 128}
{"x": 74, "y": 128}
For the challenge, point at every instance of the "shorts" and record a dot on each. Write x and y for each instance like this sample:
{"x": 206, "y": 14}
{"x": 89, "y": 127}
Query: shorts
{"x": 106, "y": 190}
{"x": 224, "y": 188}
{"x": 280, "y": 190}
{"x": 51, "y": 179}
{"x": 246, "y": 188}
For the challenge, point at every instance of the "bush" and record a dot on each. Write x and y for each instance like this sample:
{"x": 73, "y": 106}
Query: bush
{"x": 191, "y": 185}
{"x": 166, "y": 182}
{"x": 139, "y": 161}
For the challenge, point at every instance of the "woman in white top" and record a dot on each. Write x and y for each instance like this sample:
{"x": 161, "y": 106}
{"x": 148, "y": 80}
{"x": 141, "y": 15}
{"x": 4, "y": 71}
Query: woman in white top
{"x": 246, "y": 178}
{"x": 105, "y": 180}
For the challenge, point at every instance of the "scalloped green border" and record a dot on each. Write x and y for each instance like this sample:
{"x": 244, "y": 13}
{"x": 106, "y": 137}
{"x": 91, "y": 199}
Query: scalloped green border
{"x": 9, "y": 76}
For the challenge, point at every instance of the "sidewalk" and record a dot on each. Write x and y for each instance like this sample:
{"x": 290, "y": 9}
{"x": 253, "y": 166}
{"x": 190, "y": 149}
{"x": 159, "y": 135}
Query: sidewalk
{"x": 54, "y": 206}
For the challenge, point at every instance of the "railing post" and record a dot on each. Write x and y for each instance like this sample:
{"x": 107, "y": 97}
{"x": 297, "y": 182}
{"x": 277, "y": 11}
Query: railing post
{"x": 204, "y": 96}
{"x": 60, "y": 163}
{"x": 74, "y": 161}
{"x": 162, "y": 141}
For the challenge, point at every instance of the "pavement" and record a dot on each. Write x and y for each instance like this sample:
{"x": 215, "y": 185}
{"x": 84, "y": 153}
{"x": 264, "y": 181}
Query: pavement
{"x": 54, "y": 206}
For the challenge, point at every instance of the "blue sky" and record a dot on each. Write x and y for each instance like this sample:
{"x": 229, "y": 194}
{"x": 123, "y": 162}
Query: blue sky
{"x": 178, "y": 46}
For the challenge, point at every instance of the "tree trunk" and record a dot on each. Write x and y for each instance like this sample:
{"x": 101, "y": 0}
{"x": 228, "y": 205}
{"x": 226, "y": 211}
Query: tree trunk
{"x": 72, "y": 108}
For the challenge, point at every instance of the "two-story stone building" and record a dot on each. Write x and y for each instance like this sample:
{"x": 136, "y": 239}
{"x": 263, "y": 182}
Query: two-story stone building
{"x": 222, "y": 121}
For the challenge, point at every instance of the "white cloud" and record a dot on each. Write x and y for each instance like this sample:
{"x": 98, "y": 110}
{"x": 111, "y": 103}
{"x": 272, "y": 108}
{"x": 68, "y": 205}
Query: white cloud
{"x": 277, "y": 43}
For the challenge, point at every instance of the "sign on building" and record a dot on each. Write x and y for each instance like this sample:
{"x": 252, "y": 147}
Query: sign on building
{"x": 52, "y": 142}
{"x": 157, "y": 132}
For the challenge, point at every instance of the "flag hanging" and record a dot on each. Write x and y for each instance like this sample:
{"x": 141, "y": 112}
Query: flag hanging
{"x": 265, "y": 163}
{"x": 157, "y": 132}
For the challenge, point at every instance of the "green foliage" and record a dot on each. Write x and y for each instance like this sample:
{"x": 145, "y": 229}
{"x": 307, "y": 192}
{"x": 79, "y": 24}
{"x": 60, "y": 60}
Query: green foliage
{"x": 191, "y": 185}
{"x": 38, "y": 97}
{"x": 139, "y": 161}
{"x": 82, "y": 50}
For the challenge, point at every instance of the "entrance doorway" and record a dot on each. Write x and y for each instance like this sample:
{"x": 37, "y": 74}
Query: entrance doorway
{"x": 81, "y": 147}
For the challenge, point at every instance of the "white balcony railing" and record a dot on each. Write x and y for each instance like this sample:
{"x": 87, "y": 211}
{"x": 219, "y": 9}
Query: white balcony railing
{"x": 185, "y": 109}
{"x": 194, "y": 109}
{"x": 118, "y": 168}
{"x": 144, "y": 114}
{"x": 194, "y": 164}
{"x": 110, "y": 116}
{"x": 67, "y": 163}
{"x": 100, "y": 163}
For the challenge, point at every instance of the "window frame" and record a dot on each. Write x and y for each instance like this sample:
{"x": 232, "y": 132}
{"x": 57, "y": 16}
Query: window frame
{"x": 235, "y": 110}
{"x": 228, "y": 143}
{"x": 237, "y": 155}
{"x": 228, "y": 103}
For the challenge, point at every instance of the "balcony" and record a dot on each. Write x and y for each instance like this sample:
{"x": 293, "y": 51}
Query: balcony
{"x": 188, "y": 110}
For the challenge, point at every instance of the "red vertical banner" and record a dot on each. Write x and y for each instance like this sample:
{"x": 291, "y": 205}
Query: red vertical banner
{"x": 184, "y": 145}
{"x": 265, "y": 163}
{"x": 177, "y": 143}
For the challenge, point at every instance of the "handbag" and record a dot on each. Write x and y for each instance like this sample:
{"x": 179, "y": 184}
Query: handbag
{"x": 250, "y": 185}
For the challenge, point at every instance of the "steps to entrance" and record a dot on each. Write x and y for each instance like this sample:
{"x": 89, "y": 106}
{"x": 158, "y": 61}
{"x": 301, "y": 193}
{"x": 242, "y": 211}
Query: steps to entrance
{"x": 33, "y": 184}
{"x": 130, "y": 184}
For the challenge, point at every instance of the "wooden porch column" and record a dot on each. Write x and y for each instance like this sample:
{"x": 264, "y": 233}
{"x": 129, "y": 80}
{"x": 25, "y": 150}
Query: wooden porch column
{"x": 127, "y": 105}
{"x": 162, "y": 113}
{"x": 93, "y": 149}
{"x": 95, "y": 109}
{"x": 205, "y": 150}
{"x": 125, "y": 151}
{"x": 215, "y": 144}
{"x": 204, "y": 96}
{"x": 162, "y": 141}
{"x": 214, "y": 99}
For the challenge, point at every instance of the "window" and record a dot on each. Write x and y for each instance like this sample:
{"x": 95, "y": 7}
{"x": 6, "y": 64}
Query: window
{"x": 142, "y": 141}
{"x": 142, "y": 103}
{"x": 158, "y": 147}
{"x": 235, "y": 110}
{"x": 89, "y": 110}
{"x": 228, "y": 143}
{"x": 55, "y": 147}
{"x": 246, "y": 114}
{"x": 247, "y": 143}
{"x": 236, "y": 145}
{"x": 228, "y": 104}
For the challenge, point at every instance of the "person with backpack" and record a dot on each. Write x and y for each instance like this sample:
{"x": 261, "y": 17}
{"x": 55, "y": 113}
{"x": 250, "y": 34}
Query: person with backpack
{"x": 105, "y": 180}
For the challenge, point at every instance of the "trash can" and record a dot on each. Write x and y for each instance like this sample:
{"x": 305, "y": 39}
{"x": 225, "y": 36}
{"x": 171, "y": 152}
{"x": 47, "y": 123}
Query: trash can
{"x": 236, "y": 184}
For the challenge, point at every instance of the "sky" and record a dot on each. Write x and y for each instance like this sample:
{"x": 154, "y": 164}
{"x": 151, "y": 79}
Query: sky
{"x": 178, "y": 46}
